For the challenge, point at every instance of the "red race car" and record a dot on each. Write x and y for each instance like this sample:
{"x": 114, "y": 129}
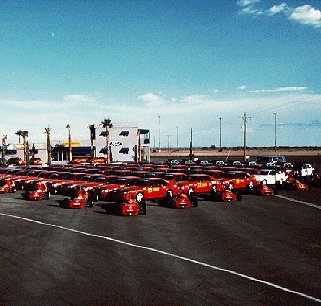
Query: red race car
{"x": 198, "y": 184}
{"x": 79, "y": 199}
{"x": 266, "y": 190}
{"x": 128, "y": 205}
{"x": 153, "y": 189}
{"x": 295, "y": 184}
{"x": 36, "y": 191}
{"x": 221, "y": 192}
{"x": 105, "y": 192}
{"x": 184, "y": 200}
{"x": 7, "y": 185}
{"x": 239, "y": 180}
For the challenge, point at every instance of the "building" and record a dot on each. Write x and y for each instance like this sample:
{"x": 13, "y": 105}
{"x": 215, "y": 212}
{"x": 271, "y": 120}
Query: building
{"x": 127, "y": 143}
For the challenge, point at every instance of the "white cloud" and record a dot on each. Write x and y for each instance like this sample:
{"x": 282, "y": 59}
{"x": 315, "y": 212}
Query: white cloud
{"x": 248, "y": 7}
{"x": 280, "y": 89}
{"x": 247, "y": 2}
{"x": 278, "y": 8}
{"x": 306, "y": 14}
{"x": 201, "y": 112}
{"x": 151, "y": 99}
{"x": 243, "y": 87}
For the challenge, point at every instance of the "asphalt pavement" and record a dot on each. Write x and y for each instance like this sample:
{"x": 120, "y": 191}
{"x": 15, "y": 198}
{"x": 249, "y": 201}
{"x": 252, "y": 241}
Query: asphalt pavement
{"x": 259, "y": 251}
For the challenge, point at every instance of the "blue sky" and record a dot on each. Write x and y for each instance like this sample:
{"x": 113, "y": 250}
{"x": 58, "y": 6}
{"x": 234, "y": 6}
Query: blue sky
{"x": 189, "y": 62}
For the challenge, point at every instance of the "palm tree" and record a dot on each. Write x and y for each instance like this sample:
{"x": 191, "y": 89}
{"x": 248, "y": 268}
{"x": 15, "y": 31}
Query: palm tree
{"x": 19, "y": 133}
{"x": 106, "y": 123}
{"x": 24, "y": 135}
{"x": 27, "y": 154}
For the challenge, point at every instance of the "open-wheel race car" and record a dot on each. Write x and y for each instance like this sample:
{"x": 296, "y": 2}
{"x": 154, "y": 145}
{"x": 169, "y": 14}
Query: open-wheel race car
{"x": 222, "y": 192}
{"x": 265, "y": 190}
{"x": 184, "y": 199}
{"x": 295, "y": 184}
{"x": 7, "y": 185}
{"x": 79, "y": 199}
{"x": 36, "y": 191}
{"x": 127, "y": 205}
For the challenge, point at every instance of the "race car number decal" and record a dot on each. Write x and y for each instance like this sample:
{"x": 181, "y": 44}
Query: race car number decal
{"x": 201, "y": 184}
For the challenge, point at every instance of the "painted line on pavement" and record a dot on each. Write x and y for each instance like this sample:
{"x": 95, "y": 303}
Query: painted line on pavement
{"x": 297, "y": 201}
{"x": 306, "y": 296}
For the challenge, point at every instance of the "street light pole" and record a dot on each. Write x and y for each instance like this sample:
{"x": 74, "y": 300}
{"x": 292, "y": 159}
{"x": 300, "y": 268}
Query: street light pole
{"x": 191, "y": 146}
{"x": 168, "y": 138}
{"x": 220, "y": 133}
{"x": 275, "y": 131}
{"x": 158, "y": 133}
{"x": 69, "y": 141}
{"x": 177, "y": 137}
{"x": 244, "y": 125}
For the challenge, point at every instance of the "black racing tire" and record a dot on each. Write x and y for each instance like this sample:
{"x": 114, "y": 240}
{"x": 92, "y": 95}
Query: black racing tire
{"x": 65, "y": 203}
{"x": 13, "y": 190}
{"x": 142, "y": 208}
{"x": 168, "y": 201}
{"x": 95, "y": 196}
{"x": 90, "y": 201}
{"x": 214, "y": 195}
{"x": 48, "y": 195}
{"x": 25, "y": 195}
{"x": 275, "y": 190}
{"x": 194, "y": 201}
{"x": 239, "y": 195}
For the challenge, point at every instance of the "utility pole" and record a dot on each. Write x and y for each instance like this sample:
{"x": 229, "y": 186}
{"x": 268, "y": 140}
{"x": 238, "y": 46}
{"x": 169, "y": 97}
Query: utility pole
{"x": 191, "y": 146}
{"x": 220, "y": 134}
{"x": 158, "y": 133}
{"x": 69, "y": 141}
{"x": 177, "y": 138}
{"x": 244, "y": 125}
{"x": 168, "y": 138}
{"x": 275, "y": 131}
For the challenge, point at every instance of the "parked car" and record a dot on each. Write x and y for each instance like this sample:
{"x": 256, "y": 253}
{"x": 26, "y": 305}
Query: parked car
{"x": 35, "y": 161}
{"x": 15, "y": 161}
{"x": 153, "y": 189}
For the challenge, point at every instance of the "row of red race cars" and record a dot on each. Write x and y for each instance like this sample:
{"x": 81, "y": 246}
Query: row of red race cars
{"x": 129, "y": 186}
